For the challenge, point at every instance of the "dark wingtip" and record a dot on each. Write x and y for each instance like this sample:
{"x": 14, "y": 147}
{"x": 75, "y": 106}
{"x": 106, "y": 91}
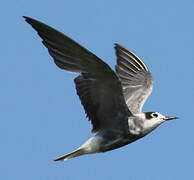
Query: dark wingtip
{"x": 26, "y": 18}
{"x": 29, "y": 19}
{"x": 57, "y": 160}
{"x": 116, "y": 45}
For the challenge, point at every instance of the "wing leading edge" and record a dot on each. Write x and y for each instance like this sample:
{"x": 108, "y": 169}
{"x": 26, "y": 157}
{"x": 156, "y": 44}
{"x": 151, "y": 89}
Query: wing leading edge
{"x": 98, "y": 87}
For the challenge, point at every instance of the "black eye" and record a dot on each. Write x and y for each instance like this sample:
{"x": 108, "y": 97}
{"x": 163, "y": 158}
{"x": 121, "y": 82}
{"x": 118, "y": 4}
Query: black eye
{"x": 155, "y": 115}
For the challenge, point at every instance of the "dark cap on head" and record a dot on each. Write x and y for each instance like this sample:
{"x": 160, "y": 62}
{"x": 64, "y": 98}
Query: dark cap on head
{"x": 148, "y": 115}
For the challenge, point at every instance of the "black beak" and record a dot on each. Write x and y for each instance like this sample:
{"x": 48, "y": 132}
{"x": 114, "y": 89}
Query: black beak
{"x": 170, "y": 118}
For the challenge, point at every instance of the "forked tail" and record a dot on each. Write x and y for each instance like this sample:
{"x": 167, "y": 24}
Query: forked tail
{"x": 73, "y": 154}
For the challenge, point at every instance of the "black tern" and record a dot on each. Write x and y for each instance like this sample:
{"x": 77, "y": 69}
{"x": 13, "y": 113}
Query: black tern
{"x": 112, "y": 100}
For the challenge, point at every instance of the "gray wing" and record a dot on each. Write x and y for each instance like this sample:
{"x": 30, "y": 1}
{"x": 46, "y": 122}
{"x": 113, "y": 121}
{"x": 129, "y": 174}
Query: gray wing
{"x": 135, "y": 78}
{"x": 98, "y": 86}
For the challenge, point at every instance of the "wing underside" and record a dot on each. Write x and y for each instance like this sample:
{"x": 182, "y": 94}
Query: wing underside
{"x": 135, "y": 78}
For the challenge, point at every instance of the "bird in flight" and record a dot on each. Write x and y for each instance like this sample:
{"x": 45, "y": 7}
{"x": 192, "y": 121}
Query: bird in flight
{"x": 112, "y": 100}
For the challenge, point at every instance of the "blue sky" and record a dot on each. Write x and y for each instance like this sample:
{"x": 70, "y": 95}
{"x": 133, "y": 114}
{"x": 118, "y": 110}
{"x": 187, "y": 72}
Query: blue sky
{"x": 41, "y": 116}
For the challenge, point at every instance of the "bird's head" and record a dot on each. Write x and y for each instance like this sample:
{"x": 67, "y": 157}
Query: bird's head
{"x": 153, "y": 120}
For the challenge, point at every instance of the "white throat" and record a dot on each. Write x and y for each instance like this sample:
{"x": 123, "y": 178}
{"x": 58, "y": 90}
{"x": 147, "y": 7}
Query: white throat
{"x": 150, "y": 125}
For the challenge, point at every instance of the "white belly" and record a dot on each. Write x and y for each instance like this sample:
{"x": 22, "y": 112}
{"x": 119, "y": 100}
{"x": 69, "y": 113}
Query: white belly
{"x": 92, "y": 145}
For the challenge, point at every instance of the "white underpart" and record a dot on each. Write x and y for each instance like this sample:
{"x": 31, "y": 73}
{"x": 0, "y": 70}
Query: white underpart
{"x": 132, "y": 126}
{"x": 92, "y": 145}
{"x": 151, "y": 124}
{"x": 144, "y": 125}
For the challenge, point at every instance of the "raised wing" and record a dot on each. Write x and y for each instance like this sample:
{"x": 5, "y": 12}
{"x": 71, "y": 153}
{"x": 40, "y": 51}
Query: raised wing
{"x": 135, "y": 78}
{"x": 98, "y": 87}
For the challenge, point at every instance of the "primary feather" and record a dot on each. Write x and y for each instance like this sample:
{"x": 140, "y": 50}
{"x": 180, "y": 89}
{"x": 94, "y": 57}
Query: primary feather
{"x": 98, "y": 87}
{"x": 135, "y": 78}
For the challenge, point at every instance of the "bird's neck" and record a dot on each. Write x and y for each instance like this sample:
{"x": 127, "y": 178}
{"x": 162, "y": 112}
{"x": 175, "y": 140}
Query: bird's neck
{"x": 150, "y": 125}
{"x": 136, "y": 123}
{"x": 139, "y": 125}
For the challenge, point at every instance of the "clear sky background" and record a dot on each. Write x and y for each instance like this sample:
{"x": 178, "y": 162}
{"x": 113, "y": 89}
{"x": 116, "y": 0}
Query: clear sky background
{"x": 41, "y": 115}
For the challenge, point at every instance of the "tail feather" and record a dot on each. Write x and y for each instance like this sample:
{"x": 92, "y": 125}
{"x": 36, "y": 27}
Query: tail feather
{"x": 73, "y": 154}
